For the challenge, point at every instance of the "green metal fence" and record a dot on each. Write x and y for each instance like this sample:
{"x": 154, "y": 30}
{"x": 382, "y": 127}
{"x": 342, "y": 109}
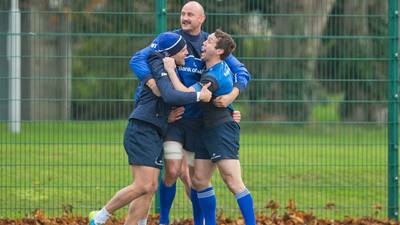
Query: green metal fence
{"x": 320, "y": 118}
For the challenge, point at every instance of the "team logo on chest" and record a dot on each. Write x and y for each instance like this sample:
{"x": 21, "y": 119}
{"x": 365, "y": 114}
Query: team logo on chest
{"x": 227, "y": 71}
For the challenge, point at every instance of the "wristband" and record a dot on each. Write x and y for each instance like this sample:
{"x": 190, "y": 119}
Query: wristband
{"x": 198, "y": 96}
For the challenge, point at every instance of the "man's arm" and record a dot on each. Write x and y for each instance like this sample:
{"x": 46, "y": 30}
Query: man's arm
{"x": 170, "y": 68}
{"x": 139, "y": 66}
{"x": 241, "y": 78}
{"x": 242, "y": 75}
{"x": 168, "y": 93}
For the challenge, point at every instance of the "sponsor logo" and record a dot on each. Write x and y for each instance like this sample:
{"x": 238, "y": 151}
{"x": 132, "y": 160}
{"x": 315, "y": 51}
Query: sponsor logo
{"x": 190, "y": 69}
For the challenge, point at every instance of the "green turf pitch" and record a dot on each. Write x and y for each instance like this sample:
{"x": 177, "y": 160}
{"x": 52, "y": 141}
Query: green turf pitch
{"x": 56, "y": 165}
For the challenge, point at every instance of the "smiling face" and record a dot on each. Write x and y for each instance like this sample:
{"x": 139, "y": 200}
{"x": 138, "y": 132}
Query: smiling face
{"x": 209, "y": 48}
{"x": 219, "y": 45}
{"x": 192, "y": 17}
{"x": 180, "y": 57}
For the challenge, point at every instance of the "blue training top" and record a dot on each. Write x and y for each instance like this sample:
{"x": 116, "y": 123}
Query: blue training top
{"x": 220, "y": 77}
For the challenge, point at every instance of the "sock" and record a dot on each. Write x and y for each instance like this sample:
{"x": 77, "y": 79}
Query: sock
{"x": 167, "y": 195}
{"x": 142, "y": 221}
{"x": 102, "y": 216}
{"x": 208, "y": 205}
{"x": 197, "y": 214}
{"x": 245, "y": 202}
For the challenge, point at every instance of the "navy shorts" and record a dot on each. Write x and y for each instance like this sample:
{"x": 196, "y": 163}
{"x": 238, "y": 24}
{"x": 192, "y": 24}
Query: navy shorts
{"x": 186, "y": 132}
{"x": 143, "y": 144}
{"x": 221, "y": 142}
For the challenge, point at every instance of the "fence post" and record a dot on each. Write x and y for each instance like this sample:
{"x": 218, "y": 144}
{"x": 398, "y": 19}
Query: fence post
{"x": 14, "y": 54}
{"x": 161, "y": 26}
{"x": 393, "y": 154}
{"x": 161, "y": 13}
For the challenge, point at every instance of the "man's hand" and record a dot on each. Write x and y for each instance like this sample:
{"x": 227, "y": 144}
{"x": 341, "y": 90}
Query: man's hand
{"x": 176, "y": 114}
{"x": 236, "y": 116}
{"x": 153, "y": 86}
{"x": 224, "y": 100}
{"x": 205, "y": 94}
{"x": 169, "y": 64}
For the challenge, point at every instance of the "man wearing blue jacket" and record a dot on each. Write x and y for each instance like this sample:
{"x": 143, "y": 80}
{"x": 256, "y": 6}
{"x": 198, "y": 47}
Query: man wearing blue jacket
{"x": 183, "y": 134}
{"x": 143, "y": 138}
{"x": 220, "y": 134}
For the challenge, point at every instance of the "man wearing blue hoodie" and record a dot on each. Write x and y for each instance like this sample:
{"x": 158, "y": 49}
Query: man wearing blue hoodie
{"x": 143, "y": 138}
{"x": 220, "y": 134}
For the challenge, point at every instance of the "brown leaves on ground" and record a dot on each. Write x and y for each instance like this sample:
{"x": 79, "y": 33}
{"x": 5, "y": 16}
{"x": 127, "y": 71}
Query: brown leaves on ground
{"x": 291, "y": 216}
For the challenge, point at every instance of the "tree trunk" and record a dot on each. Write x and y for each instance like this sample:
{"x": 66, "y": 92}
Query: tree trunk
{"x": 363, "y": 90}
{"x": 48, "y": 66}
{"x": 293, "y": 51}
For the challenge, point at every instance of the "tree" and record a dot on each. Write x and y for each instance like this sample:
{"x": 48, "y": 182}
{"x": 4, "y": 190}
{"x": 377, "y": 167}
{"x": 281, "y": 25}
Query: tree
{"x": 111, "y": 31}
{"x": 289, "y": 59}
{"x": 360, "y": 75}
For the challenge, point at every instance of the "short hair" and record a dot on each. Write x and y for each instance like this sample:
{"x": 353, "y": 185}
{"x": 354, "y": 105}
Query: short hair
{"x": 225, "y": 42}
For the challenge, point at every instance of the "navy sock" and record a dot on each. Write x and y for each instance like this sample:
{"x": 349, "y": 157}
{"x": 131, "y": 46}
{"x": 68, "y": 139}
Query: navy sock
{"x": 208, "y": 204}
{"x": 245, "y": 202}
{"x": 167, "y": 195}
